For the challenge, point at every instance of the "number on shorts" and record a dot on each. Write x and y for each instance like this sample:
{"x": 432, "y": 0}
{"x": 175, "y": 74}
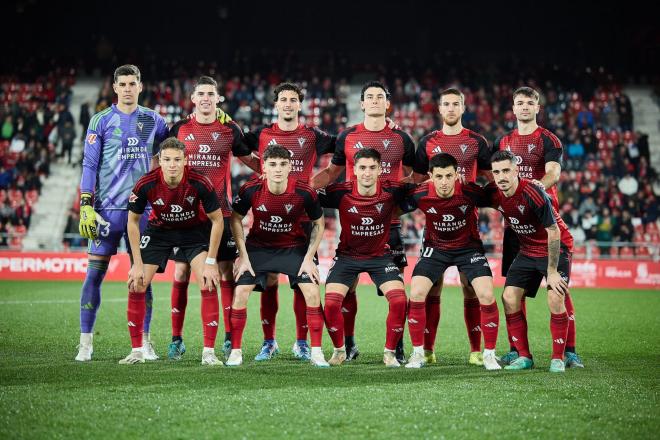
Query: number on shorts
{"x": 427, "y": 252}
{"x": 145, "y": 241}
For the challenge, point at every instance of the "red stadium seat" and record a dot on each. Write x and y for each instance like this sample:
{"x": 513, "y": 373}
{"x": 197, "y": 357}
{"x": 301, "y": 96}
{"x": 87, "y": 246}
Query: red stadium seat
{"x": 626, "y": 252}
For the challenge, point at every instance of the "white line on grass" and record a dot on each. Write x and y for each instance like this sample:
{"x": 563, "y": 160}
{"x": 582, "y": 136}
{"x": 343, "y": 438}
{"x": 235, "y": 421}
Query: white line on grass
{"x": 67, "y": 301}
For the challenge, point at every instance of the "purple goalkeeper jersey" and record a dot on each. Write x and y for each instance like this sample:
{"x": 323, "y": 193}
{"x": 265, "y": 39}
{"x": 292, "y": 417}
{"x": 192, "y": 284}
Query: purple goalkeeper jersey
{"x": 118, "y": 151}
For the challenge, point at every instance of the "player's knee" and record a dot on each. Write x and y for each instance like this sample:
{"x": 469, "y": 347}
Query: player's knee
{"x": 181, "y": 273}
{"x": 241, "y": 295}
{"x": 417, "y": 295}
{"x": 556, "y": 302}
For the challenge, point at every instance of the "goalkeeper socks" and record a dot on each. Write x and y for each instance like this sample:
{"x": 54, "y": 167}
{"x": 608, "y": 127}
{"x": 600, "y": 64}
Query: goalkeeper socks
{"x": 149, "y": 302}
{"x": 179, "y": 301}
{"x": 570, "y": 311}
{"x": 417, "y": 322}
{"x": 226, "y": 297}
{"x": 90, "y": 296}
{"x": 269, "y": 307}
{"x": 334, "y": 318}
{"x": 315, "y": 319}
{"x": 349, "y": 310}
{"x": 300, "y": 312}
{"x": 135, "y": 315}
{"x": 516, "y": 324}
{"x": 432, "y": 321}
{"x": 490, "y": 323}
{"x": 238, "y": 320}
{"x": 396, "y": 317}
{"x": 558, "y": 329}
{"x": 210, "y": 317}
{"x": 472, "y": 317}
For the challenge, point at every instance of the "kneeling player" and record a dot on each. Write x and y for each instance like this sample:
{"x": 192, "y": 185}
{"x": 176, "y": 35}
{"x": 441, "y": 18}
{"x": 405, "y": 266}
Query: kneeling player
{"x": 451, "y": 238}
{"x": 365, "y": 211}
{"x": 545, "y": 250}
{"x": 276, "y": 244}
{"x": 177, "y": 195}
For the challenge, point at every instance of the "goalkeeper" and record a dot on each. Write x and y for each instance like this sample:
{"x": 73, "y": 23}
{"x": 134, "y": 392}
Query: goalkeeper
{"x": 120, "y": 145}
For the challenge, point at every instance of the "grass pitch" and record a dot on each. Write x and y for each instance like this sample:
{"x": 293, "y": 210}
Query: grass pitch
{"x": 44, "y": 393}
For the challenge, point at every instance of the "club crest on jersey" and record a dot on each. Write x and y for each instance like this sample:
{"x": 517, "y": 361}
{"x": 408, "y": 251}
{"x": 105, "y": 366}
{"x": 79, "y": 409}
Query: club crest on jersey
{"x": 175, "y": 250}
{"x": 288, "y": 207}
{"x": 132, "y": 198}
{"x": 521, "y": 208}
{"x": 190, "y": 137}
{"x": 358, "y": 146}
{"x": 215, "y": 135}
{"x": 463, "y": 148}
{"x": 530, "y": 148}
{"x": 159, "y": 202}
{"x": 140, "y": 126}
{"x": 353, "y": 210}
{"x": 386, "y": 143}
{"x": 301, "y": 141}
{"x": 463, "y": 208}
{"x": 272, "y": 142}
{"x": 190, "y": 199}
{"x": 176, "y": 208}
{"x": 437, "y": 150}
{"x": 379, "y": 207}
{"x": 203, "y": 148}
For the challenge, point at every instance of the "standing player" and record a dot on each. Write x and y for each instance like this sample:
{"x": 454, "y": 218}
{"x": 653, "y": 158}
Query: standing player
{"x": 177, "y": 195}
{"x": 209, "y": 146}
{"x": 120, "y": 144}
{"x": 472, "y": 154}
{"x": 366, "y": 205}
{"x": 545, "y": 250}
{"x": 538, "y": 156}
{"x": 277, "y": 244}
{"x": 451, "y": 238}
{"x": 305, "y": 145}
{"x": 397, "y": 150}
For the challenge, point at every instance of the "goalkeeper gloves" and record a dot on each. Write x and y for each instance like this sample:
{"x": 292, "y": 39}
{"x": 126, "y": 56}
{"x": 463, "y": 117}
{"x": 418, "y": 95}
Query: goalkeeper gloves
{"x": 89, "y": 219}
{"x": 221, "y": 116}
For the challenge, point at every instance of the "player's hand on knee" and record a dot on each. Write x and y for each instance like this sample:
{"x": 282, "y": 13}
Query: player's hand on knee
{"x": 310, "y": 269}
{"x": 242, "y": 267}
{"x": 557, "y": 283}
{"x": 211, "y": 277}
{"x": 136, "y": 278}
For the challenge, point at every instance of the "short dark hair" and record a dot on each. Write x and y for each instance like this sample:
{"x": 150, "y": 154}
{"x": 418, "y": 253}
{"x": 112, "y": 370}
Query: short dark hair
{"x": 453, "y": 91}
{"x": 502, "y": 155}
{"x": 205, "y": 81}
{"x": 443, "y": 160}
{"x": 127, "y": 69}
{"x": 172, "y": 143}
{"x": 377, "y": 84}
{"x": 276, "y": 151}
{"x": 526, "y": 91}
{"x": 288, "y": 86}
{"x": 367, "y": 153}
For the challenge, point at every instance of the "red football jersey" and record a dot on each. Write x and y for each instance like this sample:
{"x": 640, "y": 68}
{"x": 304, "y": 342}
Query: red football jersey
{"x": 470, "y": 150}
{"x": 208, "y": 149}
{"x": 174, "y": 208}
{"x": 277, "y": 217}
{"x": 532, "y": 152}
{"x": 528, "y": 212}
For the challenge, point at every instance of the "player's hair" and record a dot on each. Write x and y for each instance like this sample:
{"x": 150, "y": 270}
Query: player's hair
{"x": 172, "y": 143}
{"x": 453, "y": 91}
{"x": 276, "y": 152}
{"x": 528, "y": 92}
{"x": 502, "y": 155}
{"x": 443, "y": 160}
{"x": 205, "y": 81}
{"x": 288, "y": 86}
{"x": 367, "y": 153}
{"x": 377, "y": 84}
{"x": 127, "y": 69}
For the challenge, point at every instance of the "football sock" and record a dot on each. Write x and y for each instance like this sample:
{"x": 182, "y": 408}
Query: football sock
{"x": 90, "y": 295}
{"x": 148, "y": 304}
{"x": 472, "y": 317}
{"x": 349, "y": 310}
{"x": 490, "y": 323}
{"x": 516, "y": 324}
{"x": 315, "y": 319}
{"x": 238, "y": 320}
{"x": 570, "y": 310}
{"x": 432, "y": 321}
{"x": 269, "y": 307}
{"x": 226, "y": 297}
{"x": 300, "y": 311}
{"x": 558, "y": 329}
{"x": 417, "y": 322}
{"x": 135, "y": 316}
{"x": 334, "y": 318}
{"x": 179, "y": 301}
{"x": 396, "y": 317}
{"x": 210, "y": 317}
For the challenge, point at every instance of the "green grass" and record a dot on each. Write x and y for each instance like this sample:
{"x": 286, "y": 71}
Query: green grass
{"x": 45, "y": 394}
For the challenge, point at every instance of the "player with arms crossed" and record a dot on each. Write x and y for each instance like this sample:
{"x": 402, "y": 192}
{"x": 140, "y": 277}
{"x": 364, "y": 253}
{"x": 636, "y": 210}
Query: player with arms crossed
{"x": 545, "y": 251}
{"x": 538, "y": 155}
{"x": 451, "y": 238}
{"x": 177, "y": 195}
{"x": 120, "y": 145}
{"x": 366, "y": 205}
{"x": 277, "y": 244}
{"x": 209, "y": 146}
{"x": 397, "y": 150}
{"x": 472, "y": 154}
